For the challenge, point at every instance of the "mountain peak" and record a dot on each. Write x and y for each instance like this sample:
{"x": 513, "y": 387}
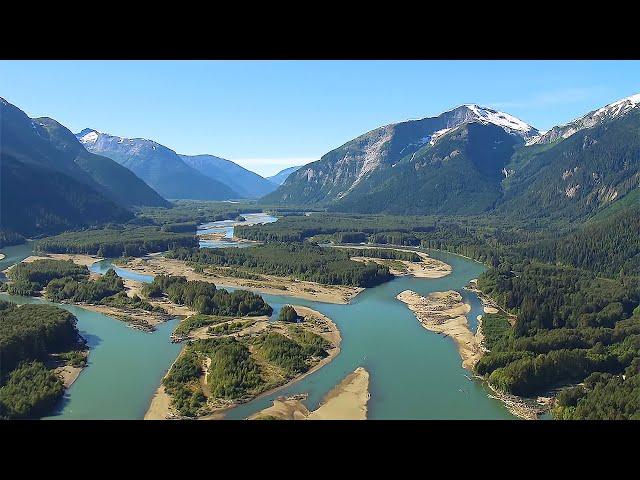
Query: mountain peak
{"x": 87, "y": 136}
{"x": 608, "y": 112}
{"x": 619, "y": 107}
{"x": 508, "y": 122}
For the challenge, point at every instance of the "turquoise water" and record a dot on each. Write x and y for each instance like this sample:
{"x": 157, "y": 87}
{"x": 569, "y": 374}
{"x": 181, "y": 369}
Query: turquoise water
{"x": 102, "y": 266}
{"x": 14, "y": 254}
{"x": 124, "y": 370}
{"x": 414, "y": 373}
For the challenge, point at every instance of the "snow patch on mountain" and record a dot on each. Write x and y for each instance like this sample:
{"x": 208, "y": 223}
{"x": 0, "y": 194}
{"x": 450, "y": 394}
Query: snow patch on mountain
{"x": 608, "y": 112}
{"x": 90, "y": 137}
{"x": 436, "y": 135}
{"x": 618, "y": 108}
{"x": 501, "y": 119}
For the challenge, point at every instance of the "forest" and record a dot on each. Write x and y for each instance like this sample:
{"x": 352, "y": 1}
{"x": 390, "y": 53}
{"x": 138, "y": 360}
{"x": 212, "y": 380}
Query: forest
{"x": 30, "y": 278}
{"x": 304, "y": 261}
{"x": 28, "y": 335}
{"x": 117, "y": 240}
{"x": 292, "y": 357}
{"x": 205, "y": 298}
{"x": 573, "y": 288}
{"x": 239, "y": 368}
{"x": 570, "y": 324}
{"x": 607, "y": 245}
{"x": 183, "y": 211}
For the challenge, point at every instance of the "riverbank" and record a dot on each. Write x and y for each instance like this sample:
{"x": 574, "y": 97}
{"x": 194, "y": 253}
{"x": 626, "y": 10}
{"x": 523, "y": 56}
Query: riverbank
{"x": 445, "y": 313}
{"x": 79, "y": 259}
{"x": 346, "y": 401}
{"x": 67, "y": 372}
{"x": 222, "y": 237}
{"x": 427, "y": 267}
{"x": 268, "y": 284}
{"x": 488, "y": 305}
{"x": 160, "y": 407}
{"x": 135, "y": 318}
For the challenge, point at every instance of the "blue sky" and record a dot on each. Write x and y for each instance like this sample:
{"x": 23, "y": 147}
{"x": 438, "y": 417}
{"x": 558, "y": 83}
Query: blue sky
{"x": 267, "y": 115}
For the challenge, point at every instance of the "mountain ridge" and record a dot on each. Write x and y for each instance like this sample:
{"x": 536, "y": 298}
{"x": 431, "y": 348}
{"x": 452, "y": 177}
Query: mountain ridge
{"x": 243, "y": 181}
{"x": 414, "y": 167}
{"x": 50, "y": 183}
{"x": 159, "y": 166}
{"x": 341, "y": 170}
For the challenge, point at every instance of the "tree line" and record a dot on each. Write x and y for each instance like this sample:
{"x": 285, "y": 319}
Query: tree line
{"x": 28, "y": 335}
{"x": 302, "y": 261}
{"x": 205, "y": 298}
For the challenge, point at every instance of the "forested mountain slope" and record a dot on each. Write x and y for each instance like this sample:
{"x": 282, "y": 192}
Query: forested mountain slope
{"x": 339, "y": 172}
{"x": 44, "y": 190}
{"x": 577, "y": 176}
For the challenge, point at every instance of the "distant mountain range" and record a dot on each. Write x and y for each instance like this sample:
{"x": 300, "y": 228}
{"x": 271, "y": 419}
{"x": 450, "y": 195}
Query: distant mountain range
{"x": 282, "y": 175}
{"x": 245, "y": 183}
{"x": 175, "y": 176}
{"x": 159, "y": 166}
{"x": 473, "y": 159}
{"x": 468, "y": 160}
{"x": 51, "y": 183}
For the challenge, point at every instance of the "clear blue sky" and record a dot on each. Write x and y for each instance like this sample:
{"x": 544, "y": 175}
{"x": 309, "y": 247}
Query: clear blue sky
{"x": 267, "y": 115}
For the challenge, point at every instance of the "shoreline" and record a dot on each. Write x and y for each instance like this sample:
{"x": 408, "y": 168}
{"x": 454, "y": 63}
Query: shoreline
{"x": 445, "y": 313}
{"x": 428, "y": 267}
{"x": 443, "y": 317}
{"x": 270, "y": 285}
{"x": 488, "y": 305}
{"x": 346, "y": 401}
{"x": 68, "y": 373}
{"x": 160, "y": 405}
{"x": 134, "y": 318}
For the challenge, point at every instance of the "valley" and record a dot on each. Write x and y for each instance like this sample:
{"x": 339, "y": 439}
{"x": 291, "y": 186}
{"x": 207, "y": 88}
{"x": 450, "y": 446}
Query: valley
{"x": 459, "y": 266}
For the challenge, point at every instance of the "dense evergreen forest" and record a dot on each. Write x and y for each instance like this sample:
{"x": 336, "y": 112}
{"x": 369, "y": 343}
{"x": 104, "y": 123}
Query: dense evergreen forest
{"x": 304, "y": 261}
{"x": 117, "y": 240}
{"x": 197, "y": 211}
{"x": 570, "y": 324}
{"x": 239, "y": 367}
{"x": 30, "y": 278}
{"x": 29, "y": 334}
{"x": 205, "y": 298}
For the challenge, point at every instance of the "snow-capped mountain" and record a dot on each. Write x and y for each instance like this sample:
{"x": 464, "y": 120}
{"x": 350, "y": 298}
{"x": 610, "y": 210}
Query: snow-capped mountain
{"x": 608, "y": 112}
{"x": 159, "y": 166}
{"x": 507, "y": 122}
{"x": 338, "y": 173}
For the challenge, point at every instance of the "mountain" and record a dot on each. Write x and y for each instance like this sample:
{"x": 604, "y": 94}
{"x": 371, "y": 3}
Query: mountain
{"x": 579, "y": 168}
{"x": 157, "y": 165}
{"x": 373, "y": 171}
{"x": 118, "y": 182}
{"x": 282, "y": 175}
{"x": 461, "y": 173}
{"x": 606, "y": 113}
{"x": 51, "y": 183}
{"x": 245, "y": 182}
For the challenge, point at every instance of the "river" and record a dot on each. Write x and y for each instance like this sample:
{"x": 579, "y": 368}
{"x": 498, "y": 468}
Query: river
{"x": 414, "y": 373}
